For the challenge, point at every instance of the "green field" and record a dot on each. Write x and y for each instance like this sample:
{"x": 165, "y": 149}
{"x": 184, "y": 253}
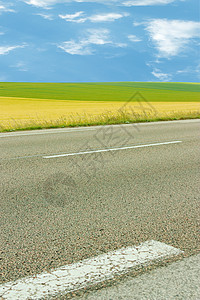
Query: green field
{"x": 116, "y": 91}
{"x": 49, "y": 105}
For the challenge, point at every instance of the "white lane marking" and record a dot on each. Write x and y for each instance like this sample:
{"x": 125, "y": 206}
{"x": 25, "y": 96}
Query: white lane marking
{"x": 87, "y": 272}
{"x": 16, "y": 134}
{"x": 111, "y": 149}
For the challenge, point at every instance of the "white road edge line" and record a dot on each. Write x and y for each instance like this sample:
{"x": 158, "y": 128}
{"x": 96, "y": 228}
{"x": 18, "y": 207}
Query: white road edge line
{"x": 16, "y": 134}
{"x": 72, "y": 129}
{"x": 111, "y": 149}
{"x": 86, "y": 272}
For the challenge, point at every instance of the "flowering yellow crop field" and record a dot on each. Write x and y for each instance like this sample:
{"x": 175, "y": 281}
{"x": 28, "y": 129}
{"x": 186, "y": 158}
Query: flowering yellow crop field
{"x": 27, "y": 108}
{"x": 48, "y": 105}
{"x": 18, "y": 113}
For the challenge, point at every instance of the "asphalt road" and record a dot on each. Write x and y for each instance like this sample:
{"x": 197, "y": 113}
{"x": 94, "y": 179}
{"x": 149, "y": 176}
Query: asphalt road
{"x": 179, "y": 280}
{"x": 59, "y": 210}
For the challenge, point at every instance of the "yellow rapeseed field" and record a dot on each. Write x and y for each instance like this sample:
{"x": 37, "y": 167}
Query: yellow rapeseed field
{"x": 20, "y": 113}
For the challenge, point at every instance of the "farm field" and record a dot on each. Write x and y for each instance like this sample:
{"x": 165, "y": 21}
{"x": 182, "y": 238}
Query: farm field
{"x": 48, "y": 105}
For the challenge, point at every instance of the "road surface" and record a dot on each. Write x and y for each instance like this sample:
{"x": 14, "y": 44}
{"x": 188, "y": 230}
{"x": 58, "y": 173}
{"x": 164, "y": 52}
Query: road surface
{"x": 71, "y": 194}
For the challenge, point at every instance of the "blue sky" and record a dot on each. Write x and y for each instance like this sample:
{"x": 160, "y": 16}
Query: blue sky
{"x": 93, "y": 41}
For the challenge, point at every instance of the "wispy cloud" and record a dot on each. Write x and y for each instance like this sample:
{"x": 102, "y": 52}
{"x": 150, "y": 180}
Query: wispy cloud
{"x": 190, "y": 69}
{"x": 95, "y": 37}
{"x": 109, "y": 17}
{"x": 6, "y": 49}
{"x": 98, "y": 36}
{"x": 134, "y": 38}
{"x": 74, "y": 17}
{"x": 80, "y": 17}
{"x": 171, "y": 37}
{"x": 46, "y": 16}
{"x": 160, "y": 75}
{"x": 5, "y": 8}
{"x": 42, "y": 3}
{"x": 146, "y": 2}
{"x": 49, "y": 3}
{"x": 76, "y": 48}
{"x": 83, "y": 46}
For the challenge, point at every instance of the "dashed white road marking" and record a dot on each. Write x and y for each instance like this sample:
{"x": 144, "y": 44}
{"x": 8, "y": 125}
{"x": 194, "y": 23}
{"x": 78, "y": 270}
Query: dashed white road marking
{"x": 86, "y": 272}
{"x": 111, "y": 149}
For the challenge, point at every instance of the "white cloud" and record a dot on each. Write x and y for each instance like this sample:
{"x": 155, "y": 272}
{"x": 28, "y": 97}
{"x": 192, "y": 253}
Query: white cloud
{"x": 172, "y": 36}
{"x": 120, "y": 45}
{"x": 146, "y": 2}
{"x": 84, "y": 46}
{"x": 4, "y": 8}
{"x": 42, "y": 3}
{"x": 161, "y": 76}
{"x": 190, "y": 69}
{"x": 7, "y": 49}
{"x": 46, "y": 16}
{"x": 79, "y": 17}
{"x": 138, "y": 23}
{"x": 110, "y": 17}
{"x": 183, "y": 71}
{"x": 76, "y": 48}
{"x": 49, "y": 3}
{"x": 73, "y": 17}
{"x": 98, "y": 36}
{"x": 134, "y": 38}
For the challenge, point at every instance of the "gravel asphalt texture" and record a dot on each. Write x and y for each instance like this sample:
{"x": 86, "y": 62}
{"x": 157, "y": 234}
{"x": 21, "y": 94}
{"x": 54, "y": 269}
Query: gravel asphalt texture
{"x": 59, "y": 211}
